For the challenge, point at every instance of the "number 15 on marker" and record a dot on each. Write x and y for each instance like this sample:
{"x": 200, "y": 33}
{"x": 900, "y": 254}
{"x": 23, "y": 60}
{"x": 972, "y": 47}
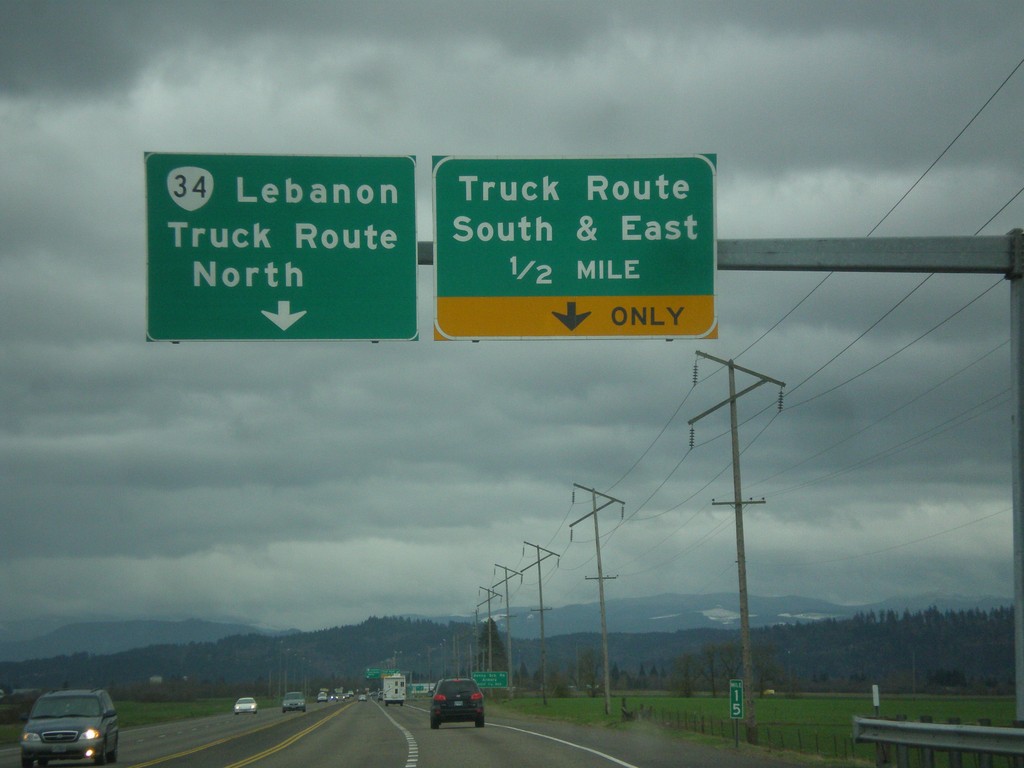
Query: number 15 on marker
{"x": 736, "y": 699}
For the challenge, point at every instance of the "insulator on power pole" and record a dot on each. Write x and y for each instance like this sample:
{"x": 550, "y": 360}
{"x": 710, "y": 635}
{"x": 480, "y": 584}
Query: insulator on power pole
{"x": 691, "y": 437}
{"x": 781, "y": 394}
{"x": 695, "y": 372}
{"x": 573, "y": 495}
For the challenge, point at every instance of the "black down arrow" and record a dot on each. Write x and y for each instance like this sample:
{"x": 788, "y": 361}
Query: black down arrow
{"x": 571, "y": 319}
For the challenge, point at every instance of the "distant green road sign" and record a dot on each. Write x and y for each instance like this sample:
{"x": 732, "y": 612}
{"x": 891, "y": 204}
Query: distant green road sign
{"x": 575, "y": 247}
{"x": 491, "y": 679}
{"x": 372, "y": 673}
{"x": 736, "y": 700}
{"x": 263, "y": 247}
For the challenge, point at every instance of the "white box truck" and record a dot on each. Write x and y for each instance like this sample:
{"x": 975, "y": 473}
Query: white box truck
{"x": 394, "y": 689}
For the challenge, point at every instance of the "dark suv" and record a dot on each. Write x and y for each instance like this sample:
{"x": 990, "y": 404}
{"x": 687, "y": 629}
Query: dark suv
{"x": 457, "y": 699}
{"x": 70, "y": 725}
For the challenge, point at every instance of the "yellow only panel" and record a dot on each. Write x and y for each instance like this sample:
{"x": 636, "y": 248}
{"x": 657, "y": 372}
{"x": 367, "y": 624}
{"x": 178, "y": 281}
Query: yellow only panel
{"x": 519, "y": 317}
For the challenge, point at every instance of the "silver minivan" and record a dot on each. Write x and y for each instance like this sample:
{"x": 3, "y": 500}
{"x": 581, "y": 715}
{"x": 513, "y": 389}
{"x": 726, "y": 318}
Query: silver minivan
{"x": 70, "y": 725}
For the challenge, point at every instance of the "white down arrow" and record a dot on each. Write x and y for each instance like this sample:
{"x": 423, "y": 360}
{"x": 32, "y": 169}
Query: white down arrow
{"x": 284, "y": 318}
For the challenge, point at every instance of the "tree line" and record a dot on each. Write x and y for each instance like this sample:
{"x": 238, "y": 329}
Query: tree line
{"x": 929, "y": 651}
{"x": 925, "y": 651}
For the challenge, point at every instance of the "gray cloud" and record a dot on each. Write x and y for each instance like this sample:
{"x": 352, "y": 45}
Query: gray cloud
{"x": 245, "y": 472}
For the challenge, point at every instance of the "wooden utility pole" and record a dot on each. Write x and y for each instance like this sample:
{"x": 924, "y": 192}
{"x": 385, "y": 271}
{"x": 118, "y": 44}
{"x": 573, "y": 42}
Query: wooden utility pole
{"x": 490, "y": 650}
{"x": 508, "y": 622}
{"x": 600, "y": 584}
{"x": 750, "y": 718}
{"x": 540, "y": 590}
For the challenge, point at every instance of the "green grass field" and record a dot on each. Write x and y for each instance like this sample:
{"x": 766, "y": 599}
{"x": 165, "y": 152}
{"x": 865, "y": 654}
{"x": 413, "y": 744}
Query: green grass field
{"x": 812, "y": 725}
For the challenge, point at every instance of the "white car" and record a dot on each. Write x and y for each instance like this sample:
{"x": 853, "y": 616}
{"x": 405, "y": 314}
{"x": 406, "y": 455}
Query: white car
{"x": 246, "y": 706}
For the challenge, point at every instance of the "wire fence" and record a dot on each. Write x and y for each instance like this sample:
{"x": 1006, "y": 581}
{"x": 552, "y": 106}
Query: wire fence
{"x": 829, "y": 741}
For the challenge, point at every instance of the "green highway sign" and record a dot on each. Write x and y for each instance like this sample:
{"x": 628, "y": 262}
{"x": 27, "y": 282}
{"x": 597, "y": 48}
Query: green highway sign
{"x": 736, "y": 700}
{"x": 266, "y": 247}
{"x": 491, "y": 679}
{"x": 575, "y": 247}
{"x": 372, "y": 674}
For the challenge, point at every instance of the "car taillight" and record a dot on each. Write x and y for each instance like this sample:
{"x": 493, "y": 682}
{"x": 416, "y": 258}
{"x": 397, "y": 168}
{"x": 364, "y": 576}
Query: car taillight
{"x": 439, "y": 697}
{"x": 476, "y": 696}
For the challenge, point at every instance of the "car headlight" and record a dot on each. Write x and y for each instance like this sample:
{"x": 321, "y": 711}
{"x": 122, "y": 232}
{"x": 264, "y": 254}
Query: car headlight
{"x": 90, "y": 733}
{"x": 30, "y": 736}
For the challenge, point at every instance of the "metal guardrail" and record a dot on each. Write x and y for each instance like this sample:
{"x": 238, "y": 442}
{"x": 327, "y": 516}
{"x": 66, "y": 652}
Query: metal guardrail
{"x": 976, "y": 739}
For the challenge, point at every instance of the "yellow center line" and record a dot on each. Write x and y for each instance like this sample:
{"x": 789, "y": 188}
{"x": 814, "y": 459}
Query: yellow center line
{"x": 251, "y": 731}
{"x": 287, "y": 742}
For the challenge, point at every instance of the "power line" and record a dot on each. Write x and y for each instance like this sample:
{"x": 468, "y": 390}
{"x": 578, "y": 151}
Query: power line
{"x": 954, "y": 421}
{"x": 783, "y": 318}
{"x": 863, "y": 333}
{"x": 943, "y": 153}
{"x": 890, "y": 548}
{"x": 902, "y": 349}
{"x": 891, "y": 413}
{"x": 656, "y": 439}
{"x": 1007, "y": 205}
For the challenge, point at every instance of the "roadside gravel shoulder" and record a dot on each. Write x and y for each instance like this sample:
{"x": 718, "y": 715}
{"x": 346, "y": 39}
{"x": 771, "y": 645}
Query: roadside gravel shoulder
{"x": 646, "y": 745}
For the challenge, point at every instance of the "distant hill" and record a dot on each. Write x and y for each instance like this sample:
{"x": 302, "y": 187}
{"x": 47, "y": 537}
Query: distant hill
{"x": 107, "y": 637}
{"x": 673, "y": 612}
{"x": 641, "y": 615}
{"x": 951, "y": 650}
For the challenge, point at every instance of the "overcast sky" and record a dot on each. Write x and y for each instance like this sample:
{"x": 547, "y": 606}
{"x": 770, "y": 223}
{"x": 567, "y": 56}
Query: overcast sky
{"x": 312, "y": 484}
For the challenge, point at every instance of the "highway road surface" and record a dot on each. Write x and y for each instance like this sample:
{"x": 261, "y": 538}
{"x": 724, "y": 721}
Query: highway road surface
{"x": 354, "y": 733}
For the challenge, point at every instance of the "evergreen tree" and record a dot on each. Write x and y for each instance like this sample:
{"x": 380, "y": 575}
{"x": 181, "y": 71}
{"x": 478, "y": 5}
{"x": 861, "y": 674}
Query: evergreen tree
{"x": 588, "y": 673}
{"x": 491, "y": 645}
{"x": 685, "y": 674}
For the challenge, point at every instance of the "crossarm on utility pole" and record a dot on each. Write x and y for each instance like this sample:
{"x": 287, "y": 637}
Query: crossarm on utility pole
{"x": 762, "y": 376}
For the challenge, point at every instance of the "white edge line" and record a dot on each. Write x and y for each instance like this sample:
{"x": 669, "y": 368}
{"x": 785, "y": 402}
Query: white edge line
{"x": 567, "y": 743}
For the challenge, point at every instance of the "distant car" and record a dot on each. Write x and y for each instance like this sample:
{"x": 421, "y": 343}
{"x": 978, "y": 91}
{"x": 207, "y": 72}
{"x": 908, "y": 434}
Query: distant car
{"x": 70, "y": 725}
{"x": 322, "y": 696}
{"x": 362, "y": 697}
{"x": 246, "y": 706}
{"x": 457, "y": 700}
{"x": 293, "y": 701}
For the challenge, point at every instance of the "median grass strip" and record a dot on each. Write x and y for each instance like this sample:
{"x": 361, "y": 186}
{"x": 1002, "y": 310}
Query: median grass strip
{"x": 135, "y": 713}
